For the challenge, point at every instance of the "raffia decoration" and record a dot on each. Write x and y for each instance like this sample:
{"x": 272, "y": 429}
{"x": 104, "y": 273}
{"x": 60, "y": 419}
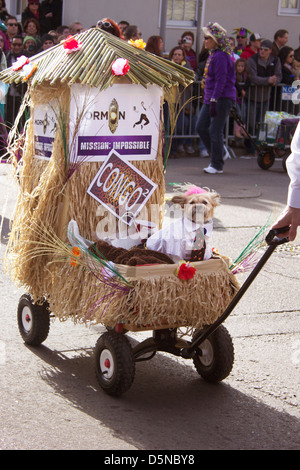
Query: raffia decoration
{"x": 47, "y": 197}
{"x": 138, "y": 296}
{"x": 195, "y": 303}
{"x": 41, "y": 191}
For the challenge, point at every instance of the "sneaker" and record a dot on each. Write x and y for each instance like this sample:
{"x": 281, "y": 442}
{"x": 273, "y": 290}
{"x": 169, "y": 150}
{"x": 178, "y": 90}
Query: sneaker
{"x": 190, "y": 149}
{"x": 180, "y": 148}
{"x": 211, "y": 170}
{"x": 204, "y": 153}
{"x": 226, "y": 154}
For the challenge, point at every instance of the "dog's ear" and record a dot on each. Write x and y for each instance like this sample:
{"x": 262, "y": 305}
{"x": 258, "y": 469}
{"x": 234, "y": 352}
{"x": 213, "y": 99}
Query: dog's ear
{"x": 181, "y": 200}
{"x": 215, "y": 198}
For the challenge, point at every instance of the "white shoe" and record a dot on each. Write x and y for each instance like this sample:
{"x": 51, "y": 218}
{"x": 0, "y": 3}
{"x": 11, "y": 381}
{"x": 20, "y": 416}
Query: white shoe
{"x": 180, "y": 148}
{"x": 226, "y": 154}
{"x": 211, "y": 170}
{"x": 190, "y": 149}
{"x": 204, "y": 153}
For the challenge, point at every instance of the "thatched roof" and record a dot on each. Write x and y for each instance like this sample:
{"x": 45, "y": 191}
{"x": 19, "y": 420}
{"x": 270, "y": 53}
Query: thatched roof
{"x": 92, "y": 64}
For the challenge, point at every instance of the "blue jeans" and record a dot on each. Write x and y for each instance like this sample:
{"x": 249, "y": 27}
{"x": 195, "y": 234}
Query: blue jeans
{"x": 211, "y": 130}
{"x": 183, "y": 127}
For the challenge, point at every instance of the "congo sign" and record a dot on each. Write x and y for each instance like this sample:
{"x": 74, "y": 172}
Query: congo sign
{"x": 121, "y": 188}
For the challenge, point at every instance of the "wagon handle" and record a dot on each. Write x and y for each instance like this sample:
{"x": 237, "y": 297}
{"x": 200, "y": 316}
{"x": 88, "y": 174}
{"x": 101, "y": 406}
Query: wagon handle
{"x": 272, "y": 239}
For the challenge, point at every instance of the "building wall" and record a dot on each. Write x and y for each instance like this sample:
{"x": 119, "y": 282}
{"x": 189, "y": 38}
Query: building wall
{"x": 257, "y": 15}
{"x": 145, "y": 15}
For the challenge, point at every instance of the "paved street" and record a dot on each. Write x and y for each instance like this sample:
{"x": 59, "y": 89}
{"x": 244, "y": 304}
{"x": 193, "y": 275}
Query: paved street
{"x": 49, "y": 395}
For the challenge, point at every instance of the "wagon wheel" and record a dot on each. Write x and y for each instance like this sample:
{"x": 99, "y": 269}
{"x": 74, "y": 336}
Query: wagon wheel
{"x": 265, "y": 159}
{"x": 284, "y": 159}
{"x": 115, "y": 366}
{"x": 284, "y": 154}
{"x": 215, "y": 356}
{"x": 33, "y": 320}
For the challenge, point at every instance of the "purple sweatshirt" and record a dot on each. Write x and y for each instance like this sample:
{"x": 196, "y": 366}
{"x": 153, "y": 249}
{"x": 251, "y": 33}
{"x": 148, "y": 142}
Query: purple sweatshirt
{"x": 220, "y": 79}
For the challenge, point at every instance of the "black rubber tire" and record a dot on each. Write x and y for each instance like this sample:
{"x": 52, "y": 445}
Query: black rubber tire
{"x": 284, "y": 154}
{"x": 116, "y": 376}
{"x": 33, "y": 320}
{"x": 284, "y": 159}
{"x": 215, "y": 356}
{"x": 265, "y": 159}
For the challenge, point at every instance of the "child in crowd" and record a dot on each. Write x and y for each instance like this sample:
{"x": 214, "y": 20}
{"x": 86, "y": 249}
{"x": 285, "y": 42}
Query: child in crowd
{"x": 186, "y": 119}
{"x": 242, "y": 84}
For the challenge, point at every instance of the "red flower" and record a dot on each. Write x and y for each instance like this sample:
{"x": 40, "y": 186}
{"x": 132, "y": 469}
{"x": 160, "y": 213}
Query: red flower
{"x": 185, "y": 271}
{"x": 71, "y": 44}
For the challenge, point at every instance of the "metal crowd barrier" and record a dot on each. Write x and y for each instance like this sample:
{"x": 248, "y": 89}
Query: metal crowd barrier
{"x": 252, "y": 109}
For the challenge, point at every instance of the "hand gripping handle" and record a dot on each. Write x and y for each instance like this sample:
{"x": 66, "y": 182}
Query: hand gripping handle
{"x": 273, "y": 239}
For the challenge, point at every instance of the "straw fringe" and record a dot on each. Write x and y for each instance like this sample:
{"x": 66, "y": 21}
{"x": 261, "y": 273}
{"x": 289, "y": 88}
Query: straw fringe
{"x": 41, "y": 188}
{"x": 195, "y": 303}
{"x": 49, "y": 198}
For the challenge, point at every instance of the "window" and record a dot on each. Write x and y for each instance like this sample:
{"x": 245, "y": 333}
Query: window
{"x": 289, "y": 7}
{"x": 182, "y": 13}
{"x": 15, "y": 7}
{"x": 19, "y": 7}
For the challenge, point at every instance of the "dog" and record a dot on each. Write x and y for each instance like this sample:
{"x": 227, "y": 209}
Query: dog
{"x": 187, "y": 237}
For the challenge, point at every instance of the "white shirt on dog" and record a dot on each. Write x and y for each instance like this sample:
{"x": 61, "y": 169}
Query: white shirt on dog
{"x": 177, "y": 239}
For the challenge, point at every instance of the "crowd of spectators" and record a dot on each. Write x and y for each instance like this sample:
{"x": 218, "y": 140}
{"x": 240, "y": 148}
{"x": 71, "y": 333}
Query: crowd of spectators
{"x": 258, "y": 61}
{"x": 260, "y": 65}
{"x": 39, "y": 29}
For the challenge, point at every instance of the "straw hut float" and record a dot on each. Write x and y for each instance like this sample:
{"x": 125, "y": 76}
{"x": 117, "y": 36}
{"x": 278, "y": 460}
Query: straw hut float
{"x": 93, "y": 143}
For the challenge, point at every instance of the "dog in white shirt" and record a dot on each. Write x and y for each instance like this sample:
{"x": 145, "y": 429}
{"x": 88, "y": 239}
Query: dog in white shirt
{"x": 187, "y": 237}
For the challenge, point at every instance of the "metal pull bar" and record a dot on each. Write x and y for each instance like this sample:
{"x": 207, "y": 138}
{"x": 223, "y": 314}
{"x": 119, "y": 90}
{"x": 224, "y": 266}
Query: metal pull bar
{"x": 272, "y": 238}
{"x": 273, "y": 241}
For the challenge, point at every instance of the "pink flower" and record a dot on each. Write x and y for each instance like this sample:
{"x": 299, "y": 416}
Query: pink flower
{"x": 120, "y": 67}
{"x": 195, "y": 190}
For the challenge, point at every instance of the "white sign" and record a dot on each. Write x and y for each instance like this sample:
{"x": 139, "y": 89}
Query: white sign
{"x": 291, "y": 93}
{"x": 124, "y": 118}
{"x": 44, "y": 128}
{"x": 287, "y": 93}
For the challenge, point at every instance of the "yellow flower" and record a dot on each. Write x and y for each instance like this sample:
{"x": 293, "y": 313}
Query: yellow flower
{"x": 139, "y": 43}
